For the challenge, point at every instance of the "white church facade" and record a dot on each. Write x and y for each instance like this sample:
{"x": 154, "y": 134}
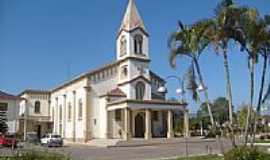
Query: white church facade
{"x": 117, "y": 101}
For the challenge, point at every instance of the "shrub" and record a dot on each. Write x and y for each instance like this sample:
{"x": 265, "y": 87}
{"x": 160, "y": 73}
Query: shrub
{"x": 246, "y": 153}
{"x": 262, "y": 137}
{"x": 208, "y": 157}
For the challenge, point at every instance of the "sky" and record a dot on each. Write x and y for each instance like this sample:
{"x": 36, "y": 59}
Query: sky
{"x": 46, "y": 42}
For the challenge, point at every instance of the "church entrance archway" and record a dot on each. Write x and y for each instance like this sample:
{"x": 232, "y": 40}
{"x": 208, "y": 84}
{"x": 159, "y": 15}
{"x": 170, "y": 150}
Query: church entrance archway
{"x": 139, "y": 125}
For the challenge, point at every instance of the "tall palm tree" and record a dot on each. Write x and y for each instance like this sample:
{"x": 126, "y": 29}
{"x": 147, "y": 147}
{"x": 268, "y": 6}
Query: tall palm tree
{"x": 220, "y": 30}
{"x": 189, "y": 42}
{"x": 252, "y": 29}
{"x": 263, "y": 38}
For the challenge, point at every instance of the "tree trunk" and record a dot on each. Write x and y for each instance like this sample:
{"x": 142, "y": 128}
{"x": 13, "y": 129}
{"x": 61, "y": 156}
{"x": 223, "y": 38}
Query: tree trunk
{"x": 218, "y": 137}
{"x": 205, "y": 92}
{"x": 260, "y": 97}
{"x": 229, "y": 93}
{"x": 251, "y": 85}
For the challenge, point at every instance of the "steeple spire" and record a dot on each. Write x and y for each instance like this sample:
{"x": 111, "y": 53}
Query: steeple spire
{"x": 132, "y": 18}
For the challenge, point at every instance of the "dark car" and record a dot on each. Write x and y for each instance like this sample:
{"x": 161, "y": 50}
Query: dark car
{"x": 31, "y": 137}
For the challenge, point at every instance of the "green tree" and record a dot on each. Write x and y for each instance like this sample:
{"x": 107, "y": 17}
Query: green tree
{"x": 189, "y": 42}
{"x": 242, "y": 116}
{"x": 222, "y": 29}
{"x": 264, "y": 52}
{"x": 254, "y": 28}
{"x": 220, "y": 111}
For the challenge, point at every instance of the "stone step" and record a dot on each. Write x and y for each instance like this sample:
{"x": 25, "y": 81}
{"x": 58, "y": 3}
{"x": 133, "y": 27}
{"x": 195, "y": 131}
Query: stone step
{"x": 103, "y": 142}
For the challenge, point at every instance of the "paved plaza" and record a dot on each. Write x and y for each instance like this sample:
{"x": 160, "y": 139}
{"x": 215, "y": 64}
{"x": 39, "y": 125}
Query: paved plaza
{"x": 161, "y": 151}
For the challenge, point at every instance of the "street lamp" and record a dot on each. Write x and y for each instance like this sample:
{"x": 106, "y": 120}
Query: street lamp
{"x": 181, "y": 92}
{"x": 162, "y": 89}
{"x": 201, "y": 88}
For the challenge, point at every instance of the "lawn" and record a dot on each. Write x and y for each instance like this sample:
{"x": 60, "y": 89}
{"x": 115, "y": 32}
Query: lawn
{"x": 210, "y": 157}
{"x": 263, "y": 141}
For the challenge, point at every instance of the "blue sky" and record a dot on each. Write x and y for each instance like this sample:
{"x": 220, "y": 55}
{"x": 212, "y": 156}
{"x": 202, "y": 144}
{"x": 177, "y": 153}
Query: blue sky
{"x": 43, "y": 43}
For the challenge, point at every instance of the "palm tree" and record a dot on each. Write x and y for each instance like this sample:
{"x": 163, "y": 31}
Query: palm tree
{"x": 263, "y": 38}
{"x": 252, "y": 29}
{"x": 225, "y": 27}
{"x": 189, "y": 42}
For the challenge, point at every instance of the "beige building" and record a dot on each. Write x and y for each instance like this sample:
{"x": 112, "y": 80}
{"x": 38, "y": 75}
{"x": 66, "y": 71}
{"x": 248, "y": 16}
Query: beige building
{"x": 9, "y": 110}
{"x": 117, "y": 101}
{"x": 34, "y": 113}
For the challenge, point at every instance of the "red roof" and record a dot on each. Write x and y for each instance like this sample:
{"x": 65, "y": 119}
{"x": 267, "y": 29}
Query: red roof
{"x": 117, "y": 92}
{"x": 7, "y": 96}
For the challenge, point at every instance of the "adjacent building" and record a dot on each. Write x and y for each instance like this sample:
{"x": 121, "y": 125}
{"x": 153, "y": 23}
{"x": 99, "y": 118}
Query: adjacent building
{"x": 9, "y": 111}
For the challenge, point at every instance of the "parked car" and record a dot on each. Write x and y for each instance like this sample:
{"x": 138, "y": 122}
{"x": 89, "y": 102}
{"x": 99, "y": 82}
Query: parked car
{"x": 2, "y": 139}
{"x": 52, "y": 140}
{"x": 8, "y": 140}
{"x": 31, "y": 137}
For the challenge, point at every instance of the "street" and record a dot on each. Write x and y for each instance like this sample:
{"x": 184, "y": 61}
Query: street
{"x": 84, "y": 152}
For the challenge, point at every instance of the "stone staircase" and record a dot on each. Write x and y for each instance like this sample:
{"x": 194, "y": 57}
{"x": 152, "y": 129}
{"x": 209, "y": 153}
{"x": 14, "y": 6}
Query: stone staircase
{"x": 141, "y": 142}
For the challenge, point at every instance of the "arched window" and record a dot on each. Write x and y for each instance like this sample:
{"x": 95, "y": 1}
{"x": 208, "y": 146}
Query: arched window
{"x": 69, "y": 111}
{"x": 123, "y": 46}
{"x": 138, "y": 44}
{"x": 80, "y": 109}
{"x": 140, "y": 89}
{"x": 37, "y": 107}
{"x": 124, "y": 71}
{"x": 60, "y": 113}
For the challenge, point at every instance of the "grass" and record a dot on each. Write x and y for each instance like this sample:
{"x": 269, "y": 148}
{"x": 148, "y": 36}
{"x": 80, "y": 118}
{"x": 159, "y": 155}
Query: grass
{"x": 36, "y": 155}
{"x": 263, "y": 141}
{"x": 209, "y": 157}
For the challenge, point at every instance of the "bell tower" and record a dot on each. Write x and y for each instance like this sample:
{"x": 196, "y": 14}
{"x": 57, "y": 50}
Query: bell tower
{"x": 132, "y": 38}
{"x": 133, "y": 52}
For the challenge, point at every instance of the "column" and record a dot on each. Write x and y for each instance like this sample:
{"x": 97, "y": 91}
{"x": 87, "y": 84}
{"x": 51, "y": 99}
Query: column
{"x": 86, "y": 113}
{"x": 186, "y": 123}
{"x": 127, "y": 135}
{"x": 170, "y": 133}
{"x": 50, "y": 115}
{"x": 56, "y": 123}
{"x": 64, "y": 116}
{"x": 148, "y": 131}
{"x": 25, "y": 119}
{"x": 74, "y": 118}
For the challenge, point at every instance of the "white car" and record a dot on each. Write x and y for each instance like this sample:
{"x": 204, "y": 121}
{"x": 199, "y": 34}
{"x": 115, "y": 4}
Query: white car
{"x": 52, "y": 140}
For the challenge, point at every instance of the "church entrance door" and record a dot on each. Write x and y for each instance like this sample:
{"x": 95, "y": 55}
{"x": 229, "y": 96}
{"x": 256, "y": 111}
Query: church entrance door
{"x": 139, "y": 125}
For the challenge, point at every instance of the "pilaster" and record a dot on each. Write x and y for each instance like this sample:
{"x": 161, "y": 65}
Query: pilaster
{"x": 64, "y": 116}
{"x": 127, "y": 135}
{"x": 74, "y": 117}
{"x": 87, "y": 90}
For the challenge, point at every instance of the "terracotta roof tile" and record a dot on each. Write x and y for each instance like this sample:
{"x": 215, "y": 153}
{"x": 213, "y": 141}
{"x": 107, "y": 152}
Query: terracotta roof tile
{"x": 116, "y": 92}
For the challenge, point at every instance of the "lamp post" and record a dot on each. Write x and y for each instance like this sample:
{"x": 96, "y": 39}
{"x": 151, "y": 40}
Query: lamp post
{"x": 181, "y": 92}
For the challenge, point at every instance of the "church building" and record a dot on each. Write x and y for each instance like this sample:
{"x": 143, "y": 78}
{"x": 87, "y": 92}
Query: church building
{"x": 117, "y": 101}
